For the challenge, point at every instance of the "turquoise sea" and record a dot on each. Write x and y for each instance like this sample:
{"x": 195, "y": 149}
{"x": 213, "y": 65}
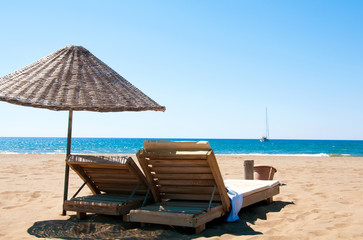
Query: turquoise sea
{"x": 13, "y": 145}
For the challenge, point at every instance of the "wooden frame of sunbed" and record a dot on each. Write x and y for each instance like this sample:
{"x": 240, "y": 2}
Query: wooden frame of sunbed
{"x": 187, "y": 187}
{"x": 117, "y": 184}
{"x": 254, "y": 191}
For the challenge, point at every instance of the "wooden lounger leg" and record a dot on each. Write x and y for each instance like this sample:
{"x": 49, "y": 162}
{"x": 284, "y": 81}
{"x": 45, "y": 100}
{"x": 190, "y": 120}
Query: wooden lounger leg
{"x": 81, "y": 215}
{"x": 269, "y": 200}
{"x": 126, "y": 218}
{"x": 200, "y": 228}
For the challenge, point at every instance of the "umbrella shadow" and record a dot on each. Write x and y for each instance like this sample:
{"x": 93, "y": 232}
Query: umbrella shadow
{"x": 94, "y": 227}
{"x": 97, "y": 227}
{"x": 108, "y": 227}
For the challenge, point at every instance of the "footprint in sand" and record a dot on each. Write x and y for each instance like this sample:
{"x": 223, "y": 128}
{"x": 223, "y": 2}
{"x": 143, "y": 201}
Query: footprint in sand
{"x": 9, "y": 207}
{"x": 36, "y": 194}
{"x": 338, "y": 225}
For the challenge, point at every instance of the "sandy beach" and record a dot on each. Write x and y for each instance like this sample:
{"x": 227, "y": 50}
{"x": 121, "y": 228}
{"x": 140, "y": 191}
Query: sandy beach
{"x": 321, "y": 198}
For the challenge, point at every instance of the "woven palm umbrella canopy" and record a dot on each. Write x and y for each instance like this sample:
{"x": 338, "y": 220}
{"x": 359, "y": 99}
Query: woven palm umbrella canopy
{"x": 73, "y": 79}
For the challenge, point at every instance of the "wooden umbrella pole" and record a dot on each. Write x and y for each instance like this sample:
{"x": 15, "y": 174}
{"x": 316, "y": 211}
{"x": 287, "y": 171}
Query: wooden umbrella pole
{"x": 66, "y": 174}
{"x": 69, "y": 137}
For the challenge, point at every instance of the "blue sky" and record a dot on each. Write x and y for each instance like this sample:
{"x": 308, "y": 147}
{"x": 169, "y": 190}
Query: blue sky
{"x": 215, "y": 65}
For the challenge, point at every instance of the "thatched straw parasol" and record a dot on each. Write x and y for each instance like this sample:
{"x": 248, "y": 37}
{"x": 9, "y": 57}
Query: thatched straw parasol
{"x": 71, "y": 79}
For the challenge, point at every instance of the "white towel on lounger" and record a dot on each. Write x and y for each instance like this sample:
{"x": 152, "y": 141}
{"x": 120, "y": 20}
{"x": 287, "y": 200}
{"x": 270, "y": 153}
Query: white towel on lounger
{"x": 236, "y": 204}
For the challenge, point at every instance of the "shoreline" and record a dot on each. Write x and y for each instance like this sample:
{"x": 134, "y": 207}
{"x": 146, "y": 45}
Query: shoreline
{"x": 217, "y": 154}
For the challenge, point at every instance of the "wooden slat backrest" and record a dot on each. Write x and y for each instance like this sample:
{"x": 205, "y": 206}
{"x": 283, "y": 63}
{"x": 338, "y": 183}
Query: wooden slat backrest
{"x": 183, "y": 175}
{"x": 108, "y": 174}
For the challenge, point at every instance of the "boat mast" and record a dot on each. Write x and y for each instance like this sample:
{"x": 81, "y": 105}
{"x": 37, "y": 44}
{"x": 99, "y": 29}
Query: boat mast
{"x": 267, "y": 130}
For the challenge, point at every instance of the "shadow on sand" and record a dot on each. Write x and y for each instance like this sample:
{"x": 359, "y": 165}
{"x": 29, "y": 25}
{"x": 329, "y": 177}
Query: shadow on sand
{"x": 108, "y": 227}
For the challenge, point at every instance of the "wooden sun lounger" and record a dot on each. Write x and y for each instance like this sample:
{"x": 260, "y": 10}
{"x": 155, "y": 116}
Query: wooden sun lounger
{"x": 187, "y": 185}
{"x": 117, "y": 183}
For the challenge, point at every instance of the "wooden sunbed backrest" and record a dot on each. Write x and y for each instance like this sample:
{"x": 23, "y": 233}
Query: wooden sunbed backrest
{"x": 172, "y": 146}
{"x": 109, "y": 174}
{"x": 179, "y": 172}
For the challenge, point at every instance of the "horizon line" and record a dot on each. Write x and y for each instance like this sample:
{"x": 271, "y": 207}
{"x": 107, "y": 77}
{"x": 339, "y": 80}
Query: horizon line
{"x": 199, "y": 138}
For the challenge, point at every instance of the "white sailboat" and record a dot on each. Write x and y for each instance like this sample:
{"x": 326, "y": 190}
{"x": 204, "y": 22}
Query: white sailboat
{"x": 266, "y": 138}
